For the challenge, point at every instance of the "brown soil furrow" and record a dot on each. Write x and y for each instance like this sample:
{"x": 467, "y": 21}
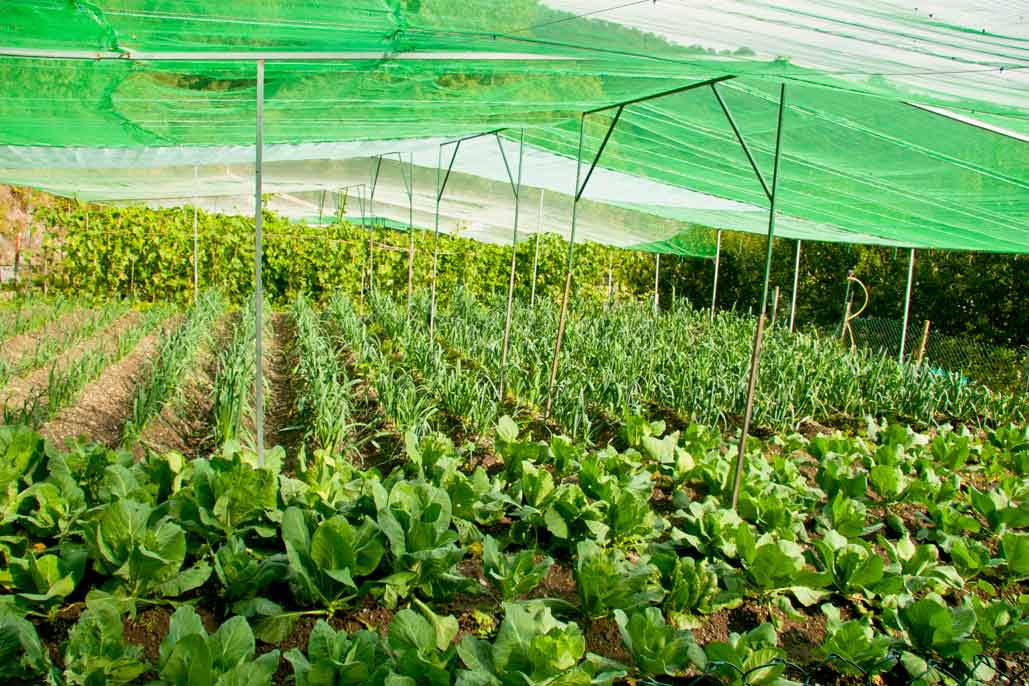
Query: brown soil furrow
{"x": 183, "y": 425}
{"x": 23, "y": 389}
{"x": 103, "y": 406}
{"x": 280, "y": 390}
{"x": 24, "y": 345}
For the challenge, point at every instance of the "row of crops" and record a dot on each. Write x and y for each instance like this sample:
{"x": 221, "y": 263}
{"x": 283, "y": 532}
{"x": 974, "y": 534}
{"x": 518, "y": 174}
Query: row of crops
{"x": 909, "y": 552}
{"x": 482, "y": 552}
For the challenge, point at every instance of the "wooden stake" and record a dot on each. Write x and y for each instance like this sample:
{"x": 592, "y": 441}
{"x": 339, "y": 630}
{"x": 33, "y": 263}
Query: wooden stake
{"x": 921, "y": 346}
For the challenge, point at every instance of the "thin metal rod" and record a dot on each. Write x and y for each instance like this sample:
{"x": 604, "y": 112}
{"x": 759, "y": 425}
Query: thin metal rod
{"x": 568, "y": 274}
{"x": 258, "y": 282}
{"x": 196, "y": 247}
{"x": 410, "y": 230}
{"x": 610, "y": 277}
{"x": 321, "y": 208}
{"x": 718, "y": 261}
{"x": 536, "y": 252}
{"x": 600, "y": 151}
{"x": 796, "y": 283}
{"x": 660, "y": 94}
{"x": 756, "y": 357}
{"x": 435, "y": 237}
{"x": 737, "y": 477}
{"x": 743, "y": 143}
{"x": 371, "y": 224}
{"x": 657, "y": 281}
{"x": 907, "y": 308}
{"x": 516, "y": 189}
{"x": 130, "y": 54}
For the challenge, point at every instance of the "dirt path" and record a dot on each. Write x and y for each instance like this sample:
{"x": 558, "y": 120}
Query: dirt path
{"x": 184, "y": 423}
{"x": 22, "y": 389}
{"x": 103, "y": 406}
{"x": 280, "y": 425}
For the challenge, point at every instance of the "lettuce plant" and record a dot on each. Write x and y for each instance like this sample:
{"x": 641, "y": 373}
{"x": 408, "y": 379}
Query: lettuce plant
{"x": 24, "y": 660}
{"x": 96, "y": 652}
{"x": 336, "y": 658}
{"x": 657, "y": 647}
{"x": 532, "y": 648}
{"x": 189, "y": 656}
{"x": 329, "y": 560}
{"x": 513, "y": 574}
{"x": 607, "y": 580}
{"x": 142, "y": 551}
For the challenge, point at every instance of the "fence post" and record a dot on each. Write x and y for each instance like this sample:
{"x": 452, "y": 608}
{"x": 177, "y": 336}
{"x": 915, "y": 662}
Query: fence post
{"x": 921, "y": 346}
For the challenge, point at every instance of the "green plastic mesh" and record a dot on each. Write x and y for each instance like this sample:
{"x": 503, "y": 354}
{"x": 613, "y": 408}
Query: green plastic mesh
{"x": 901, "y": 128}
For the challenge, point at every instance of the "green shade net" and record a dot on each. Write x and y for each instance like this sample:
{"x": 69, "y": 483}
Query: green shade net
{"x": 901, "y": 129}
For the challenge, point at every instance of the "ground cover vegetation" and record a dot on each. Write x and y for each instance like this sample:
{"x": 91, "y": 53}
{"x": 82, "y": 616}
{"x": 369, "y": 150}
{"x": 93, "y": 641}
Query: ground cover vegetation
{"x": 426, "y": 529}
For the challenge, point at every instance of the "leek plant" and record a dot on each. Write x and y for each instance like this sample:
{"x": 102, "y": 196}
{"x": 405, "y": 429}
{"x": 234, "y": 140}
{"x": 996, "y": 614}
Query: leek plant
{"x": 163, "y": 375}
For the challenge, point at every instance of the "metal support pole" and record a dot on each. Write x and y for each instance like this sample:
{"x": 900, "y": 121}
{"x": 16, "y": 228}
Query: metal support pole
{"x": 440, "y": 187}
{"x": 907, "y": 308}
{"x": 718, "y": 261}
{"x": 796, "y": 282}
{"x": 756, "y": 357}
{"x": 610, "y": 278}
{"x": 657, "y": 281}
{"x": 371, "y": 224}
{"x": 568, "y": 268}
{"x": 321, "y": 208}
{"x": 516, "y": 187}
{"x": 410, "y": 229}
{"x": 775, "y": 308}
{"x": 258, "y": 283}
{"x": 536, "y": 252}
{"x": 196, "y": 247}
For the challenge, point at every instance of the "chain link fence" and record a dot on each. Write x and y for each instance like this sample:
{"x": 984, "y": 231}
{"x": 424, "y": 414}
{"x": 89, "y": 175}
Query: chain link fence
{"x": 997, "y": 367}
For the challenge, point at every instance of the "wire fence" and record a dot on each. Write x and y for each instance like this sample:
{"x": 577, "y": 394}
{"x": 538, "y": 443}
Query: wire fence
{"x": 997, "y": 367}
{"x": 893, "y": 670}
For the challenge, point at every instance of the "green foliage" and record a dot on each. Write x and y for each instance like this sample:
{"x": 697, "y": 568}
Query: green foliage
{"x": 532, "y": 648}
{"x": 657, "y": 647}
{"x": 608, "y": 581}
{"x": 96, "y": 652}
{"x": 329, "y": 559}
{"x": 854, "y": 646}
{"x": 24, "y": 660}
{"x": 513, "y": 574}
{"x": 750, "y": 658}
{"x": 191, "y": 657}
{"x": 336, "y": 658}
{"x": 141, "y": 551}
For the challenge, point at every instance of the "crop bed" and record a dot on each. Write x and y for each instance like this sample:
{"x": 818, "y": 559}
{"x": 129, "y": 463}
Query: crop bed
{"x": 417, "y": 534}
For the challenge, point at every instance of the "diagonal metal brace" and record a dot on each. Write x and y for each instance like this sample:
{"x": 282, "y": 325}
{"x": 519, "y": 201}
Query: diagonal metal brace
{"x": 507, "y": 166}
{"x": 600, "y": 151}
{"x": 743, "y": 143}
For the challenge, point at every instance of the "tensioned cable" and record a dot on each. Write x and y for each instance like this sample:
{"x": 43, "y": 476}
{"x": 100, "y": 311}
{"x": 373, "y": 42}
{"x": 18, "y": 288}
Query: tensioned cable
{"x": 592, "y": 13}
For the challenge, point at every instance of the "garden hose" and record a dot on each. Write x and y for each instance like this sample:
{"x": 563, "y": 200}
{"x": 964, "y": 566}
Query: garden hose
{"x": 847, "y": 330}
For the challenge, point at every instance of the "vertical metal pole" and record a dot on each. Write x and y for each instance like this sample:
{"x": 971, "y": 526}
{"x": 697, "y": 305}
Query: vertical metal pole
{"x": 514, "y": 264}
{"x": 775, "y": 308}
{"x": 410, "y": 232}
{"x": 657, "y": 281}
{"x": 714, "y": 283}
{"x": 435, "y": 246}
{"x": 568, "y": 271}
{"x": 196, "y": 247}
{"x": 258, "y": 284}
{"x": 321, "y": 208}
{"x": 610, "y": 277}
{"x": 371, "y": 224}
{"x": 907, "y": 308}
{"x": 756, "y": 357}
{"x": 536, "y": 252}
{"x": 796, "y": 282}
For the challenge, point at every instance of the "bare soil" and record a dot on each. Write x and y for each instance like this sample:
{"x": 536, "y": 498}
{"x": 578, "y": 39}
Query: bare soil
{"x": 105, "y": 404}
{"x": 17, "y": 348}
{"x": 281, "y": 426}
{"x": 24, "y": 388}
